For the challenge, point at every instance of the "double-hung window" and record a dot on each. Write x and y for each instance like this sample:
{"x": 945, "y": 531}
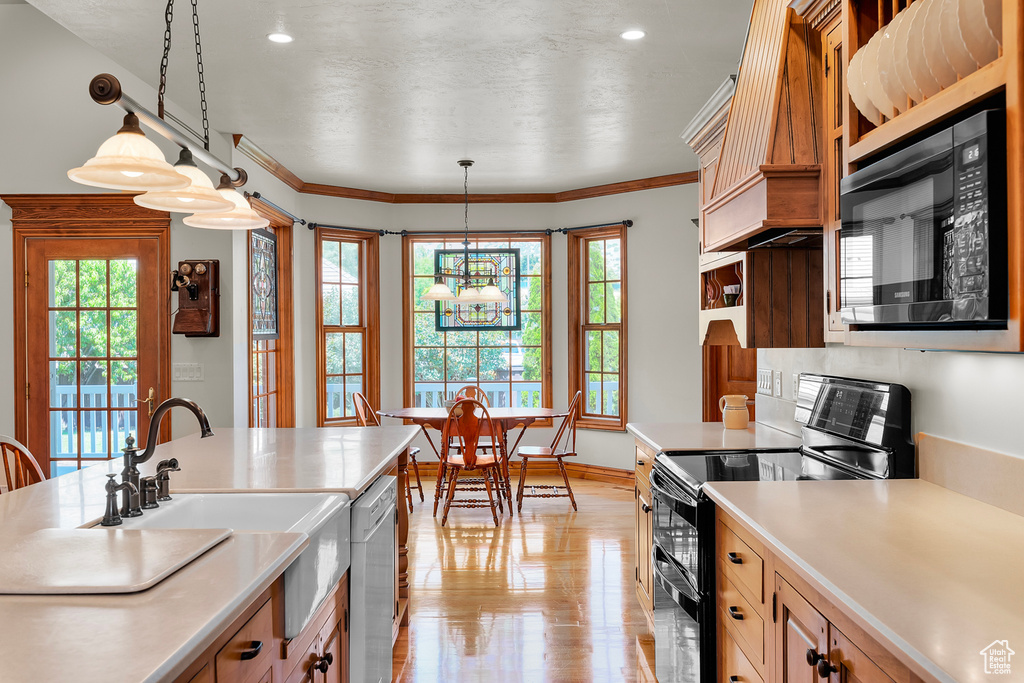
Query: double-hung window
{"x": 512, "y": 367}
{"x": 597, "y": 325}
{"x": 348, "y": 330}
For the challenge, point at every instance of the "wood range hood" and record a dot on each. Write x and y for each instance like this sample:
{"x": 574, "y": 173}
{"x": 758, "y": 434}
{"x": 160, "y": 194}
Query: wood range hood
{"x": 767, "y": 190}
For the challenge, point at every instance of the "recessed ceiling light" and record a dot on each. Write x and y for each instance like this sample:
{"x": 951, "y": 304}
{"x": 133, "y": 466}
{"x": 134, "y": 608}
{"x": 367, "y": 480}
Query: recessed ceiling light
{"x": 632, "y": 35}
{"x": 280, "y": 37}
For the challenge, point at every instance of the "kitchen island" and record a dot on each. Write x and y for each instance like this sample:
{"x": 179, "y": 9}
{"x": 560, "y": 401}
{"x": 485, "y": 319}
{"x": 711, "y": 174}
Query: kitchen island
{"x": 157, "y": 634}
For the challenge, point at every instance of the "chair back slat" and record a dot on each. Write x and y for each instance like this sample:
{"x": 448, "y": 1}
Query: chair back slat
{"x": 365, "y": 415}
{"x": 565, "y": 437}
{"x": 20, "y": 467}
{"x": 474, "y": 392}
{"x": 467, "y": 421}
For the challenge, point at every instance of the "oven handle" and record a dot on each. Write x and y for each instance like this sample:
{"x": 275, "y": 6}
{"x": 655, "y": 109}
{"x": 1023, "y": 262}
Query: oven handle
{"x": 680, "y": 590}
{"x": 677, "y": 499}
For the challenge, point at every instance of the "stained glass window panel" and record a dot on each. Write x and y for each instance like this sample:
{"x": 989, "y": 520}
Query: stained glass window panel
{"x": 499, "y": 265}
{"x": 263, "y": 282}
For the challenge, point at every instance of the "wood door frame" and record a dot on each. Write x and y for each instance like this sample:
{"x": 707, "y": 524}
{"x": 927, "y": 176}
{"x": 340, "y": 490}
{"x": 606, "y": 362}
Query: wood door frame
{"x": 285, "y": 369}
{"x": 53, "y": 216}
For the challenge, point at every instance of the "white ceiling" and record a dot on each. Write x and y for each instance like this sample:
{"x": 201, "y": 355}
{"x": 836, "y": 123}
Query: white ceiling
{"x": 388, "y": 94}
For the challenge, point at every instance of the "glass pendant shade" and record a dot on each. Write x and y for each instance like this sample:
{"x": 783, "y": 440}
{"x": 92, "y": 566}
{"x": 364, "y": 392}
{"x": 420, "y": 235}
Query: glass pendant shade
{"x": 129, "y": 161}
{"x": 198, "y": 197}
{"x": 240, "y": 217}
{"x": 469, "y": 295}
{"x": 491, "y": 294}
{"x": 438, "y": 291}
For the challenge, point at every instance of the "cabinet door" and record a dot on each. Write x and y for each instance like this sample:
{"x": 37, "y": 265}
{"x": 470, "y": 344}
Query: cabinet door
{"x": 801, "y": 634}
{"x": 834, "y": 170}
{"x": 644, "y": 538}
{"x": 850, "y": 664}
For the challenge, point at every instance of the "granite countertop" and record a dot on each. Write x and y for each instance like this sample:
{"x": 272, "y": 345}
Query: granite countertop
{"x": 154, "y": 634}
{"x": 925, "y": 571}
{"x": 674, "y": 437}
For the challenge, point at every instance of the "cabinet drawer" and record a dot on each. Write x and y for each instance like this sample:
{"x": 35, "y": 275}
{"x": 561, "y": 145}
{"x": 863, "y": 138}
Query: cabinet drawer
{"x": 735, "y": 665}
{"x": 743, "y": 620}
{"x": 230, "y": 664}
{"x": 741, "y": 564}
{"x": 644, "y": 463}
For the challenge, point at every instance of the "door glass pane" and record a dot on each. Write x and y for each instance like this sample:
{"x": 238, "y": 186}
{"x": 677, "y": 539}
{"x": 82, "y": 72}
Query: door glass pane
{"x": 93, "y": 380}
{"x": 123, "y": 423}
{"x": 94, "y": 434}
{"x": 124, "y": 386}
{"x": 63, "y": 384}
{"x": 92, "y": 282}
{"x": 63, "y": 434}
{"x": 123, "y": 283}
{"x": 63, "y": 289}
{"x": 123, "y": 333}
{"x": 63, "y": 331}
{"x": 93, "y": 333}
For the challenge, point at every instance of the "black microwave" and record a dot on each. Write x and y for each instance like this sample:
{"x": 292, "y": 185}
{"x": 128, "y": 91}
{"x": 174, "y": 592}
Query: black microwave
{"x": 923, "y": 238}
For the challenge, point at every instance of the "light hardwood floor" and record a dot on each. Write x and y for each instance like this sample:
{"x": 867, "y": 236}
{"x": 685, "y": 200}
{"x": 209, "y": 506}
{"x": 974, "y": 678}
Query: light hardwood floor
{"x": 546, "y": 597}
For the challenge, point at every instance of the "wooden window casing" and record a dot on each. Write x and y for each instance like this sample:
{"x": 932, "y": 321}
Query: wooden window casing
{"x": 417, "y": 281}
{"x": 360, "y": 321}
{"x": 280, "y": 352}
{"x": 582, "y": 326}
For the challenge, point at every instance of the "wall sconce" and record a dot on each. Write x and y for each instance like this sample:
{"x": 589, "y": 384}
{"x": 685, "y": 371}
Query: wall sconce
{"x": 197, "y": 283}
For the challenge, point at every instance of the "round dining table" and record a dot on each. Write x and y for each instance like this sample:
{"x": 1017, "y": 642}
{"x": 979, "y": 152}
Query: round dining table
{"x": 505, "y": 419}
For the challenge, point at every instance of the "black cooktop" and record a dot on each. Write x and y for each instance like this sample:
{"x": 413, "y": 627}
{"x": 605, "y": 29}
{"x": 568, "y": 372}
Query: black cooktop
{"x": 697, "y": 468}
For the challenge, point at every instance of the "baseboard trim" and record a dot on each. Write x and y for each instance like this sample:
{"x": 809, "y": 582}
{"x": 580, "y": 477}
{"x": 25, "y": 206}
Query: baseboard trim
{"x": 576, "y": 470}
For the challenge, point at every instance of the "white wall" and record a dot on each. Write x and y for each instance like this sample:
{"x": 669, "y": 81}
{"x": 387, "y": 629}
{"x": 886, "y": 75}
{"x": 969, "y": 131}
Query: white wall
{"x": 49, "y": 124}
{"x": 969, "y": 397}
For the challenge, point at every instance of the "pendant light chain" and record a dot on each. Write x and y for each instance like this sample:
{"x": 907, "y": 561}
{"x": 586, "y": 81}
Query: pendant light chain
{"x": 465, "y": 241}
{"x": 202, "y": 80}
{"x": 165, "y": 58}
{"x": 168, "y": 18}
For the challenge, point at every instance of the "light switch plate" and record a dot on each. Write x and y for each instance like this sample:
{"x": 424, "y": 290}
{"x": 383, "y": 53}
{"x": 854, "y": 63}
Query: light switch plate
{"x": 778, "y": 383}
{"x": 764, "y": 381}
{"x": 796, "y": 386}
{"x": 187, "y": 372}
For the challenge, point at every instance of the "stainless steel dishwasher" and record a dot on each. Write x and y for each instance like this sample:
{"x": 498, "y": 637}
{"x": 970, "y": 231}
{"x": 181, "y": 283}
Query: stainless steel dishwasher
{"x": 372, "y": 582}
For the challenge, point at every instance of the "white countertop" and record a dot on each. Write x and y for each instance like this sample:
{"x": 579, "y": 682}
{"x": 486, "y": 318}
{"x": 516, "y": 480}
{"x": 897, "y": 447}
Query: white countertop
{"x": 154, "y": 634}
{"x": 670, "y": 437}
{"x": 926, "y": 571}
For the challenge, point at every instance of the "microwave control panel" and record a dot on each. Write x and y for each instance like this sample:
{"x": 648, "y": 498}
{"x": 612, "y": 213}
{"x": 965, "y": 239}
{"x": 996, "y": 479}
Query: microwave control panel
{"x": 966, "y": 243}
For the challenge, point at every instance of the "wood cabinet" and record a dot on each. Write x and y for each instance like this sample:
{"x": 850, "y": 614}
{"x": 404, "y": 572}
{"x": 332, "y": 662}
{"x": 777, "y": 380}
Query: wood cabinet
{"x": 794, "y": 634}
{"x": 834, "y": 168}
{"x": 644, "y": 528}
{"x": 253, "y": 649}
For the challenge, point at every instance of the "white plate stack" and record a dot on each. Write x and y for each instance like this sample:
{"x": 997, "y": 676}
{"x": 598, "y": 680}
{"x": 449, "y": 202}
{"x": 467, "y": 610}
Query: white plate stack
{"x": 925, "y": 48}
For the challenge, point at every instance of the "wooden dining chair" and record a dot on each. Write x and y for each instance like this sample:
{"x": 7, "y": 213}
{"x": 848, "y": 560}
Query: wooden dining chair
{"x": 562, "y": 446}
{"x": 464, "y": 428}
{"x": 19, "y": 465}
{"x": 474, "y": 392}
{"x": 367, "y": 417}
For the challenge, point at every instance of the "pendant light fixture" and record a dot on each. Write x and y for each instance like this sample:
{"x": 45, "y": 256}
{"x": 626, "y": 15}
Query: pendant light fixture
{"x": 468, "y": 293}
{"x": 197, "y": 197}
{"x": 240, "y": 217}
{"x": 129, "y": 161}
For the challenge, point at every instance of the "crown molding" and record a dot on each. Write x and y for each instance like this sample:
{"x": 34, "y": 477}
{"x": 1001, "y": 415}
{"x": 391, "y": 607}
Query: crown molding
{"x": 279, "y": 171}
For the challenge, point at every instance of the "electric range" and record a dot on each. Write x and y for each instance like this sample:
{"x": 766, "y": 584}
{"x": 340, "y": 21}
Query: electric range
{"x": 851, "y": 429}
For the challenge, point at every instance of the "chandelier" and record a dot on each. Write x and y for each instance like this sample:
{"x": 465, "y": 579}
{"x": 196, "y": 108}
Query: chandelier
{"x": 129, "y": 161}
{"x": 480, "y": 303}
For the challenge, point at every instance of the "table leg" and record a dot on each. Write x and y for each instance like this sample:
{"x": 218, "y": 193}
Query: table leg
{"x": 505, "y": 469}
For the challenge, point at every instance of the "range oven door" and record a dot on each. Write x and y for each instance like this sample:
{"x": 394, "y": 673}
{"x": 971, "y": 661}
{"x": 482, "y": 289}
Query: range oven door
{"x": 677, "y": 610}
{"x": 675, "y": 528}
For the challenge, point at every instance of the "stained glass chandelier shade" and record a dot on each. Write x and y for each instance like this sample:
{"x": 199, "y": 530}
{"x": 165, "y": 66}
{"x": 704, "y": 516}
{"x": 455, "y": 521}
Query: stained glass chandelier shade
{"x": 486, "y": 268}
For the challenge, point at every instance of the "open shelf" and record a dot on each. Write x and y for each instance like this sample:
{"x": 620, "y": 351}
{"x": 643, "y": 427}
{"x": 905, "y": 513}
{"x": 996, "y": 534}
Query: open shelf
{"x": 969, "y": 90}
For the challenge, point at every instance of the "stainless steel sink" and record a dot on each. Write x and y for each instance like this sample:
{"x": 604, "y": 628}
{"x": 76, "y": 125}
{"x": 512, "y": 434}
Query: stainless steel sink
{"x": 324, "y": 517}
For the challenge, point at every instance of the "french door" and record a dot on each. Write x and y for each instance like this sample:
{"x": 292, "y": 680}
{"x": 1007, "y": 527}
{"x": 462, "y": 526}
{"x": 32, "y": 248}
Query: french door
{"x": 93, "y": 315}
{"x": 92, "y": 330}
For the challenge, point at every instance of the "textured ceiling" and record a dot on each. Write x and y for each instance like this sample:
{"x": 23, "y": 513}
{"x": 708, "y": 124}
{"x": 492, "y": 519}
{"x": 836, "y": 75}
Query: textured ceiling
{"x": 388, "y": 94}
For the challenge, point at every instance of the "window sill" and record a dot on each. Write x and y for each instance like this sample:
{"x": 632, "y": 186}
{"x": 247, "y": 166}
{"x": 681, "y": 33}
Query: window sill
{"x": 607, "y": 425}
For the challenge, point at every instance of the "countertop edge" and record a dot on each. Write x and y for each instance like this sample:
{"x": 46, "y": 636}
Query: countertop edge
{"x": 853, "y": 609}
{"x": 640, "y": 431}
{"x": 170, "y": 668}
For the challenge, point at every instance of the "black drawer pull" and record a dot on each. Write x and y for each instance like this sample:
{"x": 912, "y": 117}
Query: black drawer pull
{"x": 640, "y": 462}
{"x": 734, "y": 558}
{"x": 734, "y": 612}
{"x": 734, "y": 679}
{"x": 646, "y": 507}
{"x": 254, "y": 650}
